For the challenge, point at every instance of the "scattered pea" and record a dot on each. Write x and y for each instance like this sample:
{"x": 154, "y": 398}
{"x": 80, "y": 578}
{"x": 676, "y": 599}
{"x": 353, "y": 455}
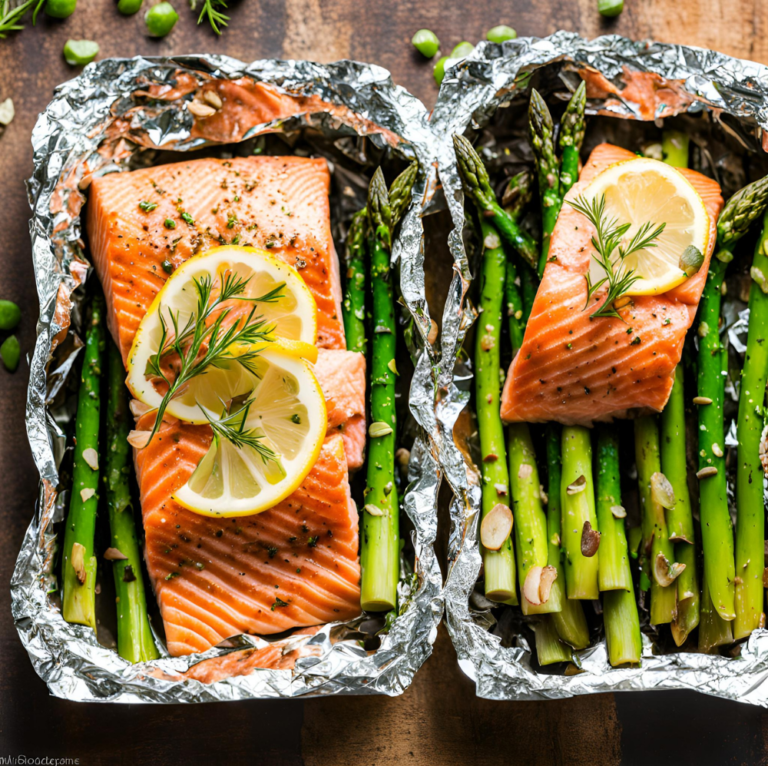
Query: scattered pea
{"x": 501, "y": 34}
{"x": 129, "y": 7}
{"x": 60, "y": 9}
{"x": 10, "y": 352}
{"x": 462, "y": 50}
{"x": 610, "y": 8}
{"x": 439, "y": 70}
{"x": 426, "y": 43}
{"x": 80, "y": 52}
{"x": 161, "y": 19}
{"x": 10, "y": 314}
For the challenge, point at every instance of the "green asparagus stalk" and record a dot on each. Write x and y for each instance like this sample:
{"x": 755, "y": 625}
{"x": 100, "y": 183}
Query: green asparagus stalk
{"x": 549, "y": 648}
{"x": 717, "y": 535}
{"x": 499, "y": 566}
{"x": 570, "y": 622}
{"x": 380, "y": 545}
{"x": 614, "y": 572}
{"x": 714, "y": 631}
{"x": 477, "y": 187}
{"x": 542, "y": 132}
{"x": 530, "y": 521}
{"x": 620, "y": 616}
{"x": 675, "y": 150}
{"x": 655, "y": 534}
{"x": 515, "y": 310}
{"x": 79, "y": 556}
{"x": 570, "y": 139}
{"x": 134, "y": 637}
{"x": 577, "y": 496}
{"x": 353, "y": 306}
{"x": 518, "y": 194}
{"x": 750, "y": 519}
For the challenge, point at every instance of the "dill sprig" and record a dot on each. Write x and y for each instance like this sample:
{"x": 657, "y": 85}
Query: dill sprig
{"x": 607, "y": 241}
{"x": 188, "y": 341}
{"x": 232, "y": 427}
{"x": 211, "y": 11}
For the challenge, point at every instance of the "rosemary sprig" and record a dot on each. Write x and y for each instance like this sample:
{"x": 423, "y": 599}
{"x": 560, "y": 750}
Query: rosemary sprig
{"x": 210, "y": 11}
{"x": 189, "y": 341}
{"x": 11, "y": 18}
{"x": 607, "y": 241}
{"x": 231, "y": 426}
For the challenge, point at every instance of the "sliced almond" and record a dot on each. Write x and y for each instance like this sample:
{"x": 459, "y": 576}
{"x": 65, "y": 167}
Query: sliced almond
{"x": 213, "y": 98}
{"x": 705, "y": 473}
{"x": 113, "y": 554}
{"x": 7, "y": 112}
{"x": 139, "y": 439}
{"x": 378, "y": 429}
{"x": 200, "y": 110}
{"x": 496, "y": 527}
{"x": 619, "y": 512}
{"x": 525, "y": 471}
{"x": 138, "y": 408}
{"x": 664, "y": 572}
{"x": 538, "y": 584}
{"x": 590, "y": 540}
{"x": 78, "y": 562}
{"x": 87, "y": 494}
{"x": 579, "y": 485}
{"x": 91, "y": 457}
{"x": 717, "y": 450}
{"x": 373, "y": 510}
{"x": 701, "y": 400}
{"x": 662, "y": 491}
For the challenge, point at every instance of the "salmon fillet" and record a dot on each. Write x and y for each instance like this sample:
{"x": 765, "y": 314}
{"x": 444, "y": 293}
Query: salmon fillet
{"x": 341, "y": 375}
{"x": 278, "y": 203}
{"x": 291, "y": 566}
{"x": 575, "y": 370}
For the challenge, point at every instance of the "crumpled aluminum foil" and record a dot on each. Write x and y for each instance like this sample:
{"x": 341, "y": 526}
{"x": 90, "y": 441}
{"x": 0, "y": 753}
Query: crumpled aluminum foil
{"x": 114, "y": 115}
{"x": 735, "y": 93}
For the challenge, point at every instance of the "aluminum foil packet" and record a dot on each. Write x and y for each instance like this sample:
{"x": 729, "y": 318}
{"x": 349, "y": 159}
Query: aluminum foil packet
{"x": 638, "y": 83}
{"x": 121, "y": 114}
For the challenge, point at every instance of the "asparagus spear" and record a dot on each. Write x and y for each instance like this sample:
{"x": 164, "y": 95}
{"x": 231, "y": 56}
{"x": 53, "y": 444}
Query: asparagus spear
{"x": 570, "y": 139}
{"x": 518, "y": 194}
{"x": 353, "y": 307}
{"x": 530, "y": 522}
{"x": 750, "y": 519}
{"x": 542, "y": 133}
{"x": 514, "y": 301}
{"x": 380, "y": 547}
{"x": 577, "y": 496}
{"x": 134, "y": 637}
{"x": 549, "y": 647}
{"x": 714, "y": 631}
{"x": 570, "y": 622}
{"x": 477, "y": 187}
{"x": 675, "y": 147}
{"x": 622, "y": 621}
{"x": 79, "y": 558}
{"x": 500, "y": 582}
{"x": 655, "y": 534}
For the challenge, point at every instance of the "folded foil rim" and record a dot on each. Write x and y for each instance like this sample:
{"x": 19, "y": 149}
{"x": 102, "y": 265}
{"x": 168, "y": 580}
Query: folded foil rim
{"x": 471, "y": 92}
{"x": 66, "y": 137}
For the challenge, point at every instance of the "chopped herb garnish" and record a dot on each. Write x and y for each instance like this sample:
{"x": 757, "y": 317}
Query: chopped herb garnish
{"x": 231, "y": 220}
{"x": 279, "y": 602}
{"x": 169, "y": 223}
{"x": 272, "y": 550}
{"x": 296, "y": 418}
{"x": 167, "y": 267}
{"x": 147, "y": 207}
{"x": 172, "y": 575}
{"x": 187, "y": 218}
{"x": 312, "y": 542}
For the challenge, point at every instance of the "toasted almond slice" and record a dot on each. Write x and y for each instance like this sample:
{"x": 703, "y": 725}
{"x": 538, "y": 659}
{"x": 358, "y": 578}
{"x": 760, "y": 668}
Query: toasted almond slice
{"x": 496, "y": 527}
{"x": 579, "y": 485}
{"x": 706, "y": 472}
{"x": 87, "y": 494}
{"x": 702, "y": 400}
{"x": 538, "y": 584}
{"x": 91, "y": 457}
{"x": 590, "y": 540}
{"x": 525, "y": 471}
{"x": 373, "y": 510}
{"x": 662, "y": 491}
{"x": 139, "y": 439}
{"x": 664, "y": 572}
{"x": 378, "y": 429}
{"x": 619, "y": 512}
{"x": 138, "y": 408}
{"x": 200, "y": 110}
{"x": 212, "y": 97}
{"x": 78, "y": 562}
{"x": 113, "y": 554}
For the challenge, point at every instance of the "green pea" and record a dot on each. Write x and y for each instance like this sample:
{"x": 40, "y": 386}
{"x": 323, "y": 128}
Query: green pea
{"x": 439, "y": 70}
{"x": 462, "y": 50}
{"x": 60, "y": 9}
{"x": 610, "y": 8}
{"x": 426, "y": 43}
{"x": 501, "y": 34}
{"x": 10, "y": 314}
{"x": 10, "y": 352}
{"x": 80, "y": 52}
{"x": 129, "y": 7}
{"x": 161, "y": 19}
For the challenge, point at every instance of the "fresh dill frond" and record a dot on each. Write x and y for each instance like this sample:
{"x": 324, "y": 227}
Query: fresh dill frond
{"x": 607, "y": 241}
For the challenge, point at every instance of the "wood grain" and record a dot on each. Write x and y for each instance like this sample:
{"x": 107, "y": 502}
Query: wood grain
{"x": 438, "y": 720}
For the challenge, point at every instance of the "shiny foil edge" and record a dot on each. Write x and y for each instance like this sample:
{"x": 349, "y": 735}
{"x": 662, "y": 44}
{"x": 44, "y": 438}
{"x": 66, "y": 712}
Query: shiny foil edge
{"x": 470, "y": 94}
{"x": 68, "y": 657}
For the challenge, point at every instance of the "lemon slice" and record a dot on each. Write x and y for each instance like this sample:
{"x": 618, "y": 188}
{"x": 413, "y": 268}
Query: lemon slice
{"x": 288, "y": 312}
{"x": 643, "y": 191}
{"x": 286, "y": 419}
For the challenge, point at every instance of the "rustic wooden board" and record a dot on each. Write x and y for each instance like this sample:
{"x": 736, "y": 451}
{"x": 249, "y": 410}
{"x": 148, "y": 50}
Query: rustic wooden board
{"x": 439, "y": 720}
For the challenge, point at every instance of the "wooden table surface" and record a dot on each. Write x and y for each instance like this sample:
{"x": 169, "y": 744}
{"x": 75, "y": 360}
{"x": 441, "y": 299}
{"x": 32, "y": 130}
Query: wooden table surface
{"x": 438, "y": 720}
